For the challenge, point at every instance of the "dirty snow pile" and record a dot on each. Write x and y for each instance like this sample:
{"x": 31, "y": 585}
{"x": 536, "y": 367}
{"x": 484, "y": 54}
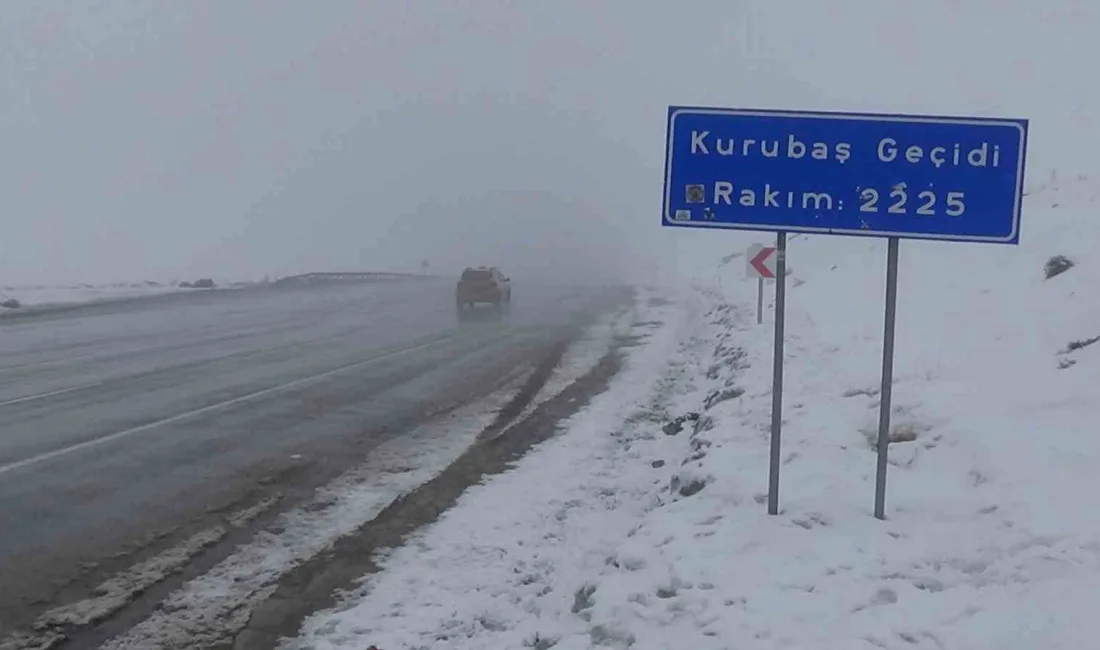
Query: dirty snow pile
{"x": 644, "y": 524}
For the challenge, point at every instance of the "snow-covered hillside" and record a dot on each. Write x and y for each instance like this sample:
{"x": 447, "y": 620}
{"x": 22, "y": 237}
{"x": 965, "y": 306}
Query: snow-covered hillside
{"x": 39, "y": 296}
{"x": 644, "y": 525}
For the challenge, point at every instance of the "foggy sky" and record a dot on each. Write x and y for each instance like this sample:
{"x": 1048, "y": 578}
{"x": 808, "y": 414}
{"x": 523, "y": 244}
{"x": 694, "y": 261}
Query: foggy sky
{"x": 237, "y": 139}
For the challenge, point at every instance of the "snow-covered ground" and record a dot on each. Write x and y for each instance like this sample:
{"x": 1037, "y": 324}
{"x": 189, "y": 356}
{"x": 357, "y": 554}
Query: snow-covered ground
{"x": 39, "y": 296}
{"x": 634, "y": 528}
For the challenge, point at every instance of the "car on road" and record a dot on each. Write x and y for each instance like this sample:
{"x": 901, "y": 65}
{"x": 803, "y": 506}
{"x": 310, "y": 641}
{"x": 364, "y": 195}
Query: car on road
{"x": 483, "y": 284}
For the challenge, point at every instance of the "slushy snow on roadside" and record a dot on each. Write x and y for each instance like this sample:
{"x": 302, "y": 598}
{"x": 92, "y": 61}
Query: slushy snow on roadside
{"x": 644, "y": 523}
{"x": 213, "y": 607}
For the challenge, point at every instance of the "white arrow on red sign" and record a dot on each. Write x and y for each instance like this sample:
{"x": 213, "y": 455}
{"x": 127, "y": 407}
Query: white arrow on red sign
{"x": 761, "y": 262}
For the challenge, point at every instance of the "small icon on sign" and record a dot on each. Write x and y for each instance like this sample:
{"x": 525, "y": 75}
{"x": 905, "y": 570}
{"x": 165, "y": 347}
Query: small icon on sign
{"x": 696, "y": 194}
{"x": 683, "y": 215}
{"x": 708, "y": 214}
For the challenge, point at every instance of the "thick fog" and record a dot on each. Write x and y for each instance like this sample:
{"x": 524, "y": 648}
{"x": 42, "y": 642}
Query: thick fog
{"x": 251, "y": 138}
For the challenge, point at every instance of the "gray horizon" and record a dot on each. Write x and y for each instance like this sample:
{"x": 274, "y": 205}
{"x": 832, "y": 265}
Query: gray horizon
{"x": 157, "y": 141}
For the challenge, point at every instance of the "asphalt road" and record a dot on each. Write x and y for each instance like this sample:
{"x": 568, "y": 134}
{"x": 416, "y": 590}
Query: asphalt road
{"x": 123, "y": 420}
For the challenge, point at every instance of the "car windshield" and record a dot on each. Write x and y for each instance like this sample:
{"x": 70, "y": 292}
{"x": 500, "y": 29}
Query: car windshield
{"x": 477, "y": 275}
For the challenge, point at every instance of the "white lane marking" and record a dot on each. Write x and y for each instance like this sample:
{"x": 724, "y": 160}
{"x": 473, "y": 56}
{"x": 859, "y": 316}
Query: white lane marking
{"x": 242, "y": 355}
{"x": 62, "y": 391}
{"x": 40, "y": 364}
{"x": 34, "y": 460}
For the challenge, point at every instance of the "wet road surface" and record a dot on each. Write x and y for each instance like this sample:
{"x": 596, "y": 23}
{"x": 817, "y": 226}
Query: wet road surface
{"x": 121, "y": 421}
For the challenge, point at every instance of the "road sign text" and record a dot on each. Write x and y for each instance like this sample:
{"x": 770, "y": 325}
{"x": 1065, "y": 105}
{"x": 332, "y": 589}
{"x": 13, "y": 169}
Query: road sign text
{"x": 874, "y": 175}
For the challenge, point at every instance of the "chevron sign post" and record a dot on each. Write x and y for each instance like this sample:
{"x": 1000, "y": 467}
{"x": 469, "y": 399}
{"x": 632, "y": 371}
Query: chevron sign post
{"x": 760, "y": 264}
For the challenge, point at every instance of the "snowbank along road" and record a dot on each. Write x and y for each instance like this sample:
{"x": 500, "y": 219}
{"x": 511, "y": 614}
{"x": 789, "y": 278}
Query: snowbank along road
{"x": 141, "y": 443}
{"x": 644, "y": 524}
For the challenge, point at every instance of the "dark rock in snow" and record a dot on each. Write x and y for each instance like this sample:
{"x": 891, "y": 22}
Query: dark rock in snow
{"x": 692, "y": 487}
{"x": 677, "y": 425}
{"x": 1083, "y": 343}
{"x": 719, "y": 396}
{"x": 1057, "y": 265}
{"x": 686, "y": 484}
{"x": 582, "y": 599}
{"x": 703, "y": 424}
{"x": 674, "y": 427}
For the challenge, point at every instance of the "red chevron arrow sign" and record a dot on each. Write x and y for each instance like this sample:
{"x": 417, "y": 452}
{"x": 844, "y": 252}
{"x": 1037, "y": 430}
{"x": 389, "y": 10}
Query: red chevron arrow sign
{"x": 761, "y": 262}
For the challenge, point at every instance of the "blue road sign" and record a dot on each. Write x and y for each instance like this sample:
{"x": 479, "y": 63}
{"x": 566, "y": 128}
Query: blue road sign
{"x": 945, "y": 178}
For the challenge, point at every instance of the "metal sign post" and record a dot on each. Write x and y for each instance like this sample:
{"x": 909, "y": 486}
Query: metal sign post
{"x": 861, "y": 174}
{"x": 887, "y": 376}
{"x": 777, "y": 371}
{"x": 759, "y": 300}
